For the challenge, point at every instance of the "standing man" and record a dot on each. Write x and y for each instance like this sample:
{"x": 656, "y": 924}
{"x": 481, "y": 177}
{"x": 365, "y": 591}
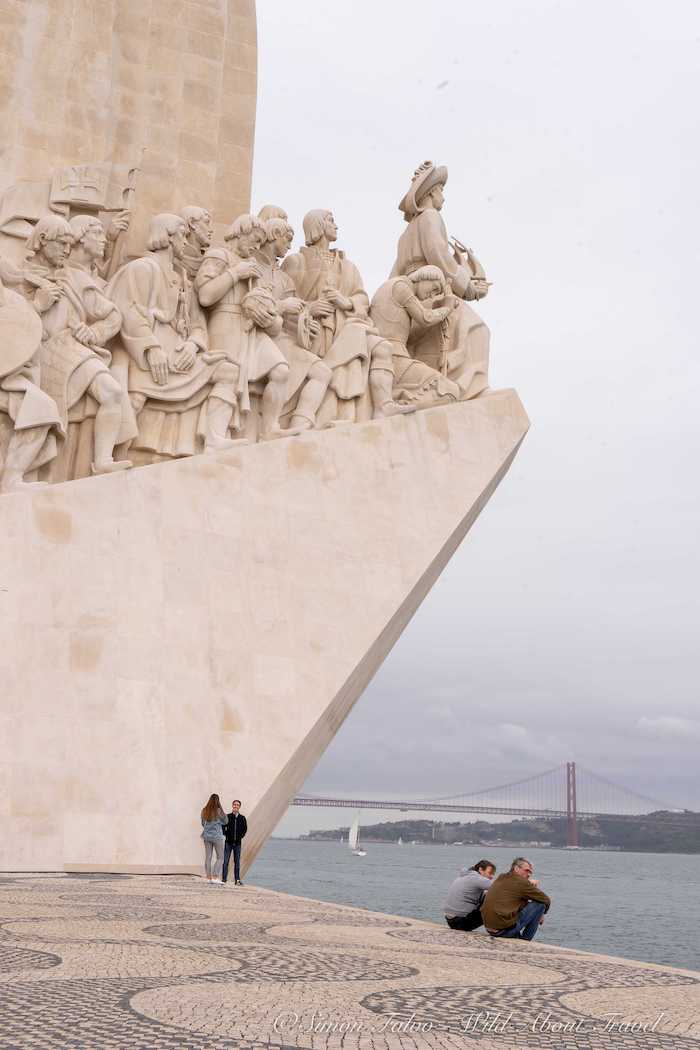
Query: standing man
{"x": 514, "y": 906}
{"x": 235, "y": 831}
{"x": 465, "y": 895}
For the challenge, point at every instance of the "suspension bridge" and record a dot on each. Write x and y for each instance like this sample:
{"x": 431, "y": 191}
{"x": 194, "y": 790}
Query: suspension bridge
{"x": 562, "y": 791}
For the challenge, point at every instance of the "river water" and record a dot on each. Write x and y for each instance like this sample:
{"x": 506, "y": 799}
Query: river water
{"x": 637, "y": 905}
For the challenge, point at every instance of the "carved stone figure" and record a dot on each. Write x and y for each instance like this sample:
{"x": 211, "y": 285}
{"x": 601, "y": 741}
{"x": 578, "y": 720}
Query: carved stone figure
{"x": 396, "y": 305}
{"x": 200, "y": 230}
{"x": 242, "y": 328}
{"x": 78, "y": 321}
{"x": 465, "y": 348}
{"x": 308, "y": 375}
{"x": 34, "y": 417}
{"x": 331, "y": 285}
{"x": 183, "y": 395}
{"x": 272, "y": 211}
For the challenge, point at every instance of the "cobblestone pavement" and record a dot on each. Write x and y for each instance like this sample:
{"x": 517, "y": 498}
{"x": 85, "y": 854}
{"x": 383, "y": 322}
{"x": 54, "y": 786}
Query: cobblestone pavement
{"x": 147, "y": 961}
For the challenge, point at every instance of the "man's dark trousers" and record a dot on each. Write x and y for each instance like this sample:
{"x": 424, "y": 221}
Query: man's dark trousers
{"x": 472, "y": 921}
{"x": 228, "y": 850}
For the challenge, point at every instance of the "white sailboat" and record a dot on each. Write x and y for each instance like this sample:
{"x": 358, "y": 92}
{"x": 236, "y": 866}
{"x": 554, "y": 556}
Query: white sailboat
{"x": 354, "y": 839}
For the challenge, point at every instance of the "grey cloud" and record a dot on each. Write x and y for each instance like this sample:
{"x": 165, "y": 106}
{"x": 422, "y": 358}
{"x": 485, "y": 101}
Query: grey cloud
{"x": 571, "y": 610}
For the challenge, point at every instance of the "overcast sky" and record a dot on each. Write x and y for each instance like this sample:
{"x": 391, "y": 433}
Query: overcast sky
{"x": 566, "y": 626}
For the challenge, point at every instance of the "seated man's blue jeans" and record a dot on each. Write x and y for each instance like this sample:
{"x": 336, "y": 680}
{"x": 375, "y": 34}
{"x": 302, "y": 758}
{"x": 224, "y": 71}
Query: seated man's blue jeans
{"x": 528, "y": 920}
{"x": 236, "y": 850}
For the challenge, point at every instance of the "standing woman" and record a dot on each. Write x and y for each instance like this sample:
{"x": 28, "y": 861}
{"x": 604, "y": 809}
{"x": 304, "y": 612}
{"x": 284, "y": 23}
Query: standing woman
{"x": 214, "y": 821}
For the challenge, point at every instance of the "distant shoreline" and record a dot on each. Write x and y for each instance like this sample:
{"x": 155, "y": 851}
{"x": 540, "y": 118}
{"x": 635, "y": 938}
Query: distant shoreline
{"x": 325, "y": 840}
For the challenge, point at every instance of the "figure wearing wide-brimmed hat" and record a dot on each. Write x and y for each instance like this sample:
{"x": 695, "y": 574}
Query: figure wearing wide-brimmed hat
{"x": 461, "y": 350}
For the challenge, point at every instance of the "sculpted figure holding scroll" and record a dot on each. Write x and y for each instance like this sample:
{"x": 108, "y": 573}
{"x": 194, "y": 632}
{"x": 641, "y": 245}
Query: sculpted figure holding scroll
{"x": 243, "y": 321}
{"x": 78, "y": 321}
{"x": 33, "y": 416}
{"x": 308, "y": 375}
{"x": 184, "y": 395}
{"x": 332, "y": 287}
{"x": 464, "y": 351}
{"x": 399, "y": 303}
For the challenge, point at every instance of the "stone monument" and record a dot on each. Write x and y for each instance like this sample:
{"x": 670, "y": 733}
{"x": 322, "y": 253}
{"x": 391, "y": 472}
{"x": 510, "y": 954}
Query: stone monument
{"x": 315, "y": 453}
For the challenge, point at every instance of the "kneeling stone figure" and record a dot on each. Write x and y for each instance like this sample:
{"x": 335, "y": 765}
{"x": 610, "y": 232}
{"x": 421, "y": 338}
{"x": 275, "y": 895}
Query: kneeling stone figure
{"x": 397, "y": 304}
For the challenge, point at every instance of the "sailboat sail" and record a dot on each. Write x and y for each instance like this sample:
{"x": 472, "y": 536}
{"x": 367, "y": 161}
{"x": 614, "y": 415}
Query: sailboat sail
{"x": 354, "y": 835}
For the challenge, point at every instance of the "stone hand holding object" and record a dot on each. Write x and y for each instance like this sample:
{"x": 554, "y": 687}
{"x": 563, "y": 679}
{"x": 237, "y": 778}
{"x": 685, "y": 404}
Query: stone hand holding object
{"x": 438, "y": 315}
{"x": 119, "y": 224}
{"x": 46, "y": 296}
{"x": 321, "y": 308}
{"x": 84, "y": 334}
{"x": 245, "y": 270}
{"x": 338, "y": 299}
{"x": 291, "y": 305}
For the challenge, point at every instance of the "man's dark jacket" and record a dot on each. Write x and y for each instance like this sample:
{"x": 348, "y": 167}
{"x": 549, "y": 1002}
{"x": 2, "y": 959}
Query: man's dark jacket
{"x": 236, "y": 828}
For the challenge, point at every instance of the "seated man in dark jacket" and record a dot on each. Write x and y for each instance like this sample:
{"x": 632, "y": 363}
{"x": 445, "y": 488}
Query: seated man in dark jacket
{"x": 514, "y": 906}
{"x": 235, "y": 830}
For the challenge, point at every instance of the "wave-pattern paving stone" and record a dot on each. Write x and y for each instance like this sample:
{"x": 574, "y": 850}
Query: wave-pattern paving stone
{"x": 80, "y": 968}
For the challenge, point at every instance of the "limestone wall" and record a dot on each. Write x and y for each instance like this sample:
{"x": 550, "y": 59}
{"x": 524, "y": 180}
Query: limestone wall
{"x": 168, "y": 86}
{"x": 207, "y": 624}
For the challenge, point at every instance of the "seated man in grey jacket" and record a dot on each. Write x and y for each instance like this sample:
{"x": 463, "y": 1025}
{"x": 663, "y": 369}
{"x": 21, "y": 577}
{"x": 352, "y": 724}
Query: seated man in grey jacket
{"x": 465, "y": 895}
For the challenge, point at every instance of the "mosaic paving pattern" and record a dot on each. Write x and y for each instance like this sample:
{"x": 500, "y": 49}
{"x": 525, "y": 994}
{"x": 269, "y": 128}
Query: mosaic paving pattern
{"x": 133, "y": 963}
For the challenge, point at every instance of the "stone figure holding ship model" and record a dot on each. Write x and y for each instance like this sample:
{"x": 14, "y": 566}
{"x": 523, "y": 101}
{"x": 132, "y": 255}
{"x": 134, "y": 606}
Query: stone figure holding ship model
{"x": 460, "y": 352}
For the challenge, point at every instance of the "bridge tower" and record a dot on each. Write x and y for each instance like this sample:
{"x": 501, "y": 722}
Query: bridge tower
{"x": 571, "y": 825}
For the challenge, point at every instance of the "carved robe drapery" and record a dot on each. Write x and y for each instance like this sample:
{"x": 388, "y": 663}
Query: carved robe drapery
{"x": 414, "y": 380}
{"x": 300, "y": 360}
{"x": 22, "y": 402}
{"x": 159, "y": 308}
{"x": 345, "y": 340}
{"x": 251, "y": 349}
{"x": 465, "y": 344}
{"x": 68, "y": 367}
